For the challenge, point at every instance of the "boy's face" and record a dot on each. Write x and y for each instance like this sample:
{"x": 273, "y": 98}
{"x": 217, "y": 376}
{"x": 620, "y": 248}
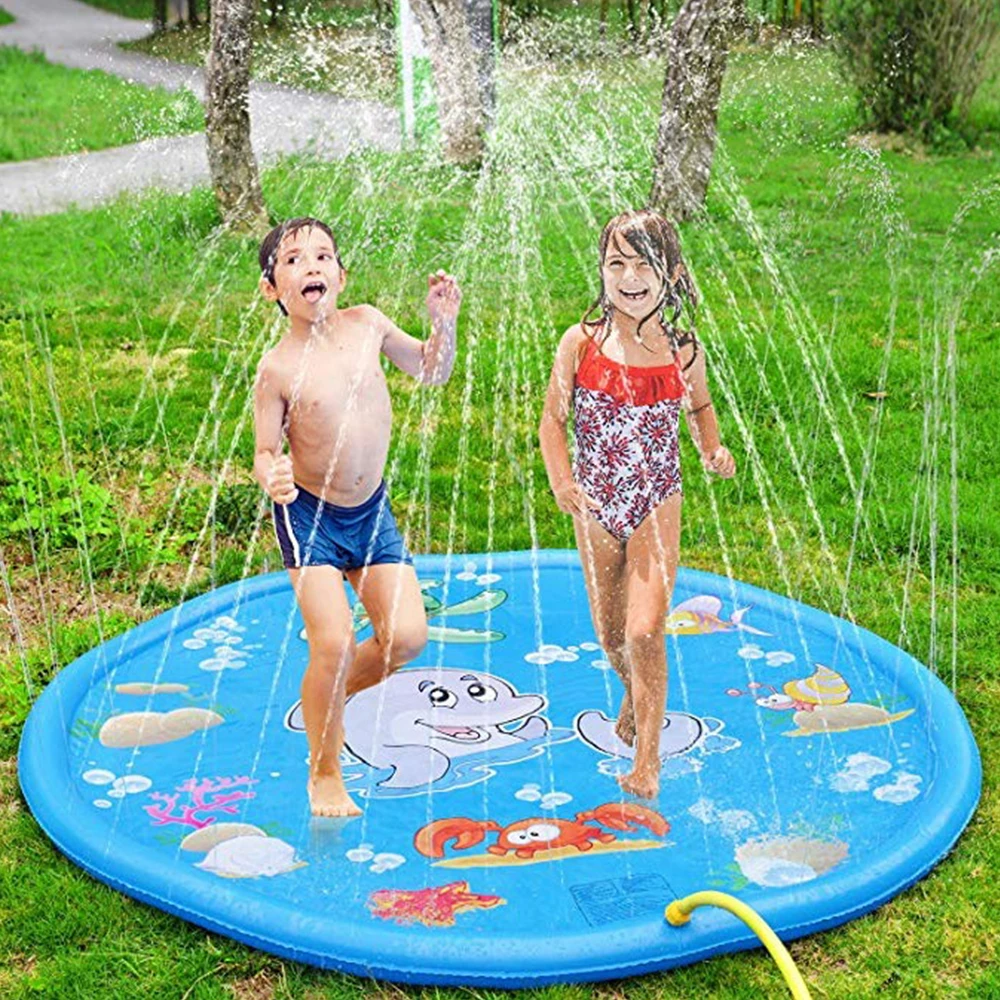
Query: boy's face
{"x": 630, "y": 281}
{"x": 307, "y": 277}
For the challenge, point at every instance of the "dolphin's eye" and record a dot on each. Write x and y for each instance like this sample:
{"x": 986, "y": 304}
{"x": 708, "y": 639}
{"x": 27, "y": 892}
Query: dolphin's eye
{"x": 482, "y": 692}
{"x": 442, "y": 698}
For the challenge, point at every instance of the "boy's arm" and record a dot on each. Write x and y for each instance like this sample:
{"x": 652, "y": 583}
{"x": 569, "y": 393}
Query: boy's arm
{"x": 699, "y": 411}
{"x": 430, "y": 361}
{"x": 271, "y": 468}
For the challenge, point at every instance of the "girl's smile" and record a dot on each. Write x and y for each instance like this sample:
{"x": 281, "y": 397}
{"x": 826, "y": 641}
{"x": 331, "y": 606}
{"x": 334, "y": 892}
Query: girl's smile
{"x": 631, "y": 283}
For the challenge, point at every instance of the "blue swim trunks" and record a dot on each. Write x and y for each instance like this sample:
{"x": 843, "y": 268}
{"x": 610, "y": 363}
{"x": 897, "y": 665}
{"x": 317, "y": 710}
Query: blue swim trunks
{"x": 313, "y": 533}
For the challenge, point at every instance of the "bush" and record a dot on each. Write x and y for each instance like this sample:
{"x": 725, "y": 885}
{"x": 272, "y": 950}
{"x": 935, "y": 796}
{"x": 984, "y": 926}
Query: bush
{"x": 916, "y": 63}
{"x": 54, "y": 510}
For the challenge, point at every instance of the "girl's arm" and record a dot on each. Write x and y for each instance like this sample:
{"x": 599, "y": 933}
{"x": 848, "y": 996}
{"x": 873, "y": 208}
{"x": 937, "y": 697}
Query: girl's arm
{"x": 552, "y": 430}
{"x": 699, "y": 411}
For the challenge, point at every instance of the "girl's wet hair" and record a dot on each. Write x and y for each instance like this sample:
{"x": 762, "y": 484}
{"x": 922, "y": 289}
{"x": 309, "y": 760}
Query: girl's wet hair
{"x": 655, "y": 240}
{"x": 268, "y": 254}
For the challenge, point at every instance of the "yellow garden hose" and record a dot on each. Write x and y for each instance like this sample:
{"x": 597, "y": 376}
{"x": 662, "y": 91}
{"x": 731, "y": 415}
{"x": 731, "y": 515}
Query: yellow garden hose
{"x": 679, "y": 912}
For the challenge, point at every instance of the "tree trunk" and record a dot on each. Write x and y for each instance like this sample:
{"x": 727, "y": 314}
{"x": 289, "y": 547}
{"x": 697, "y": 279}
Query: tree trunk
{"x": 633, "y": 20}
{"x": 227, "y": 118}
{"x": 159, "y": 15}
{"x": 463, "y": 76}
{"x": 697, "y": 46}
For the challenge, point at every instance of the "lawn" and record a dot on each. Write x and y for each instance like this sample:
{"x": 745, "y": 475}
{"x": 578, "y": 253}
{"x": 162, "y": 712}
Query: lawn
{"x": 141, "y": 10}
{"x": 315, "y": 52}
{"x": 851, "y": 312}
{"x": 49, "y": 110}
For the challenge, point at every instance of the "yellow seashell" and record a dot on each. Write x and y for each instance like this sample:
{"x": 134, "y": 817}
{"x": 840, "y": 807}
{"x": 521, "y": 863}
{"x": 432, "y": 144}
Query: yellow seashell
{"x": 824, "y": 687}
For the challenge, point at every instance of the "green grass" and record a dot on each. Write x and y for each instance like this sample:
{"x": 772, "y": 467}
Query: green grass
{"x": 338, "y": 13}
{"x": 5, "y": 17}
{"x": 139, "y": 9}
{"x": 329, "y": 54}
{"x": 48, "y": 110}
{"x": 828, "y": 273}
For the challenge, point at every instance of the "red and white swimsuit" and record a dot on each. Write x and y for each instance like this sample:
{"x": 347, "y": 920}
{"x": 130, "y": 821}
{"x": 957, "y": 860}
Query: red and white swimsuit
{"x": 627, "y": 454}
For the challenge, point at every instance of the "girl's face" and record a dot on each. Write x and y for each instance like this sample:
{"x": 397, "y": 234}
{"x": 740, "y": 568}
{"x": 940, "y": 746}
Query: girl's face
{"x": 631, "y": 283}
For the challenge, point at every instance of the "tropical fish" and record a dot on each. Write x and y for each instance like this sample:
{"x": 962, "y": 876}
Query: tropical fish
{"x": 480, "y": 603}
{"x": 700, "y": 616}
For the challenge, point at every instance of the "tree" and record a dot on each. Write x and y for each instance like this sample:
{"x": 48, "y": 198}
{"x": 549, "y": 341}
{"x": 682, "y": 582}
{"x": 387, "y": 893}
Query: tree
{"x": 227, "y": 117}
{"x": 463, "y": 78}
{"x": 697, "y": 47}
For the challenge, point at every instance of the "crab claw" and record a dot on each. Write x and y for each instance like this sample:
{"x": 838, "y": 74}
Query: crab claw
{"x": 625, "y": 816}
{"x": 430, "y": 840}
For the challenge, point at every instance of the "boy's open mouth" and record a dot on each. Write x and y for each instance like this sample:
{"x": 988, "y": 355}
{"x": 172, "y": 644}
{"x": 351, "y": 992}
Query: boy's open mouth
{"x": 314, "y": 291}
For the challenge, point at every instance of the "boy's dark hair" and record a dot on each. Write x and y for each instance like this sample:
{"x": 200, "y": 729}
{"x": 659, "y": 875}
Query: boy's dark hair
{"x": 268, "y": 255}
{"x": 654, "y": 239}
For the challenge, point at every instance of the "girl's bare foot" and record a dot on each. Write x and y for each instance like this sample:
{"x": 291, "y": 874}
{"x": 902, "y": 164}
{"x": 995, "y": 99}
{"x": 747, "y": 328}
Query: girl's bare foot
{"x": 645, "y": 784}
{"x": 328, "y": 796}
{"x": 625, "y": 726}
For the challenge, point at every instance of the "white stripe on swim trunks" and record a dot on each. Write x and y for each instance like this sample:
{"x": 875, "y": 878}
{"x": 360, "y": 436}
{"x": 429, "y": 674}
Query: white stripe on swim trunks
{"x": 291, "y": 535}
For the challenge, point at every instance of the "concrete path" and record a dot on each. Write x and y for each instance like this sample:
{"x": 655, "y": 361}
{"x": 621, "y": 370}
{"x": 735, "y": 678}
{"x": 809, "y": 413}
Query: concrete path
{"x": 283, "y": 120}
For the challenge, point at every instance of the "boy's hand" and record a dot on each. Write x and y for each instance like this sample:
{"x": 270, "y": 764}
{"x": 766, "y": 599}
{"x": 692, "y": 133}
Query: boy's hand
{"x": 721, "y": 463}
{"x": 571, "y": 499}
{"x": 444, "y": 296}
{"x": 281, "y": 482}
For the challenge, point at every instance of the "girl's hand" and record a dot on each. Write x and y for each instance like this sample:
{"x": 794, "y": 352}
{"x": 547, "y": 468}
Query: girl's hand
{"x": 721, "y": 463}
{"x": 443, "y": 296}
{"x": 280, "y": 481}
{"x": 571, "y": 499}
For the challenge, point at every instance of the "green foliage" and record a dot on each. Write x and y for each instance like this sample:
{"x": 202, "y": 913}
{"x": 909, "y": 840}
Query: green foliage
{"x": 5, "y": 17}
{"x": 139, "y": 9}
{"x": 54, "y": 511}
{"x": 916, "y": 63}
{"x": 48, "y": 110}
{"x": 23, "y": 677}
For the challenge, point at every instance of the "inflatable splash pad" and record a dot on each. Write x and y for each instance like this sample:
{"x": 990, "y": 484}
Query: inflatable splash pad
{"x": 810, "y": 768}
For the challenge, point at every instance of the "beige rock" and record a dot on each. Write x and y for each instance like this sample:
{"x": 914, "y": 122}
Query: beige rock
{"x": 143, "y": 729}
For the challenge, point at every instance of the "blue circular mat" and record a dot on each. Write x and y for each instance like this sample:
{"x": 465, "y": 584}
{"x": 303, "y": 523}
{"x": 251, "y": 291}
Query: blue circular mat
{"x": 809, "y": 767}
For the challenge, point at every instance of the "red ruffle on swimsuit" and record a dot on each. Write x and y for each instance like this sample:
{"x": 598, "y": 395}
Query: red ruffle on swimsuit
{"x": 627, "y": 455}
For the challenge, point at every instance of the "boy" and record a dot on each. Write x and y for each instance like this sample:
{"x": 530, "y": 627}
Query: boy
{"x": 323, "y": 387}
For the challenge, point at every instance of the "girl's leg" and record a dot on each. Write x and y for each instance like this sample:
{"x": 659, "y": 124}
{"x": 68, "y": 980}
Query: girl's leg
{"x": 651, "y": 566}
{"x": 603, "y": 558}
{"x": 329, "y": 628}
{"x": 391, "y": 596}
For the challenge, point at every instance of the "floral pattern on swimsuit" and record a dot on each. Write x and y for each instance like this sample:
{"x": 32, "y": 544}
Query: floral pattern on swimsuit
{"x": 626, "y": 420}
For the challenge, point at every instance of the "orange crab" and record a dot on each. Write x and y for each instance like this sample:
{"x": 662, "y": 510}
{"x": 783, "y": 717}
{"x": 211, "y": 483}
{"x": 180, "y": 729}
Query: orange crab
{"x": 527, "y": 837}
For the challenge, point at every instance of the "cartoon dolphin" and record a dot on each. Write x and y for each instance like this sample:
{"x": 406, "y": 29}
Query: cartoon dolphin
{"x": 680, "y": 733}
{"x": 700, "y": 616}
{"x": 417, "y": 721}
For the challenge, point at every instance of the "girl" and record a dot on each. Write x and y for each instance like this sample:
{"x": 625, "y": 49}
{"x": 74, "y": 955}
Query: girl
{"x": 626, "y": 375}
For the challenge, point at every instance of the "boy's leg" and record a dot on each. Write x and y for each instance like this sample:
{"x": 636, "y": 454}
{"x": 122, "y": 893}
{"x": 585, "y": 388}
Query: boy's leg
{"x": 329, "y": 629}
{"x": 391, "y": 596}
{"x": 603, "y": 559}
{"x": 652, "y": 554}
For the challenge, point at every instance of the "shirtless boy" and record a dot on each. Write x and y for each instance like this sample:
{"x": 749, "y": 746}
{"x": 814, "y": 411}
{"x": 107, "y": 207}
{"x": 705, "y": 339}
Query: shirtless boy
{"x": 323, "y": 388}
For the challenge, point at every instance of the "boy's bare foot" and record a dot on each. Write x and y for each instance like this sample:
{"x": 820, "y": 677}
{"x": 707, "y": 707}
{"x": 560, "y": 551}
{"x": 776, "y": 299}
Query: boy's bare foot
{"x": 644, "y": 784}
{"x": 625, "y": 726}
{"x": 329, "y": 797}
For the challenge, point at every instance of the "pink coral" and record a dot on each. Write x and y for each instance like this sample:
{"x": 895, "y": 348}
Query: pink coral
{"x": 199, "y": 800}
